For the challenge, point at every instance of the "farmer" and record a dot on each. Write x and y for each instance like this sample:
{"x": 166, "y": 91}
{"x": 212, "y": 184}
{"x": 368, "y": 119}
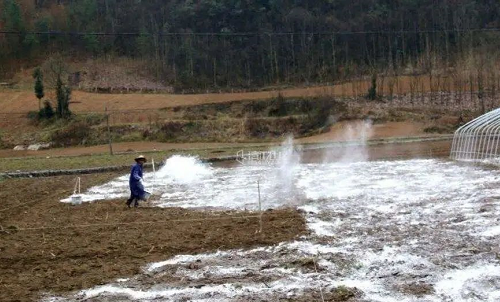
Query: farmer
{"x": 136, "y": 187}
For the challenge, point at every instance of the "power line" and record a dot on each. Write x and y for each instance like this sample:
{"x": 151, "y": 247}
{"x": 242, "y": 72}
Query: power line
{"x": 380, "y": 32}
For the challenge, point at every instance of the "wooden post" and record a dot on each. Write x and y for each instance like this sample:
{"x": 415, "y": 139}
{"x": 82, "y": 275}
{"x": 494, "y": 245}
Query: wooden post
{"x": 316, "y": 271}
{"x": 154, "y": 175}
{"x": 260, "y": 207}
{"x": 109, "y": 131}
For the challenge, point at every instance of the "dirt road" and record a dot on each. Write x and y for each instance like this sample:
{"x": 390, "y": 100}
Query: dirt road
{"x": 144, "y": 146}
{"x": 343, "y": 131}
{"x": 357, "y": 130}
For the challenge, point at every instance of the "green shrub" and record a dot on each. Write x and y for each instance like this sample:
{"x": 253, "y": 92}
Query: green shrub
{"x": 131, "y": 137}
{"x": 170, "y": 130}
{"x": 47, "y": 112}
{"x": 319, "y": 115}
{"x": 256, "y": 128}
{"x": 32, "y": 116}
{"x": 75, "y": 133}
{"x": 3, "y": 144}
{"x": 278, "y": 106}
{"x": 92, "y": 119}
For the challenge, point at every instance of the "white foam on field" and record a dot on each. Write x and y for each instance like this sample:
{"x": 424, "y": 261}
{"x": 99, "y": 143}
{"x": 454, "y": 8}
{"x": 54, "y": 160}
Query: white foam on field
{"x": 111, "y": 190}
{"x": 182, "y": 259}
{"x": 477, "y": 283}
{"x": 136, "y": 294}
{"x": 492, "y": 231}
{"x": 374, "y": 225}
{"x": 184, "y": 169}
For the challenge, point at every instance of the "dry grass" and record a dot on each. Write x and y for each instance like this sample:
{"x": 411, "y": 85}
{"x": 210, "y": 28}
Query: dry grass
{"x": 22, "y": 100}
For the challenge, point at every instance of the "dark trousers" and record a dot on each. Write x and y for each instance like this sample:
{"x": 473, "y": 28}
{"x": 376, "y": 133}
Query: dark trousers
{"x": 133, "y": 199}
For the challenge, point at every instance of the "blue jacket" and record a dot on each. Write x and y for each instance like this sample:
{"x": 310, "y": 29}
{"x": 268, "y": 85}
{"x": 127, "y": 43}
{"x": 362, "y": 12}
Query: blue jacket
{"x": 136, "y": 188}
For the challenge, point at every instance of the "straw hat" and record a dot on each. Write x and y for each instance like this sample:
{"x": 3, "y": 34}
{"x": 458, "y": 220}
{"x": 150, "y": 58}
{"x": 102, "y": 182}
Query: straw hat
{"x": 141, "y": 157}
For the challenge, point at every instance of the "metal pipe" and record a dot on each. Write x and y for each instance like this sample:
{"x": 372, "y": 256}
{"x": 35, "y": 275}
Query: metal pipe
{"x": 488, "y": 136}
{"x": 475, "y": 139}
{"x": 494, "y": 152}
{"x": 466, "y": 135}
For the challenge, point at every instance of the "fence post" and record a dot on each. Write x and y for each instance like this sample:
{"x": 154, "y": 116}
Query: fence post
{"x": 109, "y": 131}
{"x": 260, "y": 207}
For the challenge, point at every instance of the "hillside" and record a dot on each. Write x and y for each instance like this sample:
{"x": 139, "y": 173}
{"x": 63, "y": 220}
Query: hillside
{"x": 210, "y": 45}
{"x": 155, "y": 65}
{"x": 23, "y": 100}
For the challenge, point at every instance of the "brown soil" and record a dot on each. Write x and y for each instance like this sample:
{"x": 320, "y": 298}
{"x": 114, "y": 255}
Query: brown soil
{"x": 24, "y": 101}
{"x": 416, "y": 289}
{"x": 424, "y": 149}
{"x": 82, "y": 246}
{"x": 340, "y": 131}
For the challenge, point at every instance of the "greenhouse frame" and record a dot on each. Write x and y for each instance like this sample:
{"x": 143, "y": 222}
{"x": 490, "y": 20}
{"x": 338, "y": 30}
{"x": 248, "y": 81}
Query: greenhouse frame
{"x": 478, "y": 140}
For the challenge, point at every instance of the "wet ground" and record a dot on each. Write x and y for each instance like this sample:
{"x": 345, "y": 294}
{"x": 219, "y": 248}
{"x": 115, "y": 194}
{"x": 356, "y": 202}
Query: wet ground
{"x": 50, "y": 247}
{"x": 385, "y": 230}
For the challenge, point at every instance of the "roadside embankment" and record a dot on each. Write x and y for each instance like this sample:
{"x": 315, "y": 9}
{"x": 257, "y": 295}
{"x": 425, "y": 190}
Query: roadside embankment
{"x": 398, "y": 147}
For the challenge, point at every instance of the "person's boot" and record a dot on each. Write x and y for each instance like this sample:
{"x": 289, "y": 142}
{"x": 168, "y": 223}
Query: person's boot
{"x": 136, "y": 204}
{"x": 129, "y": 202}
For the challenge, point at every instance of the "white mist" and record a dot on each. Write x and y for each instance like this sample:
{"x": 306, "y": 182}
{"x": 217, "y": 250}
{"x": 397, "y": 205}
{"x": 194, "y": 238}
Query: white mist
{"x": 353, "y": 139}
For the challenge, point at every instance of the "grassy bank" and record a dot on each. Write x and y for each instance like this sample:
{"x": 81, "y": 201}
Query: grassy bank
{"x": 107, "y": 160}
{"x": 416, "y": 146}
{"x": 244, "y": 121}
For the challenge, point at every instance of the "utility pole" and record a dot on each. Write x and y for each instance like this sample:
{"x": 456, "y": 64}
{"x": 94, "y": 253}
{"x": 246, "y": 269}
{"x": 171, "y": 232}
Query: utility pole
{"x": 109, "y": 131}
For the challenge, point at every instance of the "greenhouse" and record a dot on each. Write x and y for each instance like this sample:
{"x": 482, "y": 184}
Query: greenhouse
{"x": 478, "y": 139}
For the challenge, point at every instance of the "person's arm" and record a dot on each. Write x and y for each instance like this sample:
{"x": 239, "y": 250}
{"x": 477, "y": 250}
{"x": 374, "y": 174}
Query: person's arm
{"x": 135, "y": 174}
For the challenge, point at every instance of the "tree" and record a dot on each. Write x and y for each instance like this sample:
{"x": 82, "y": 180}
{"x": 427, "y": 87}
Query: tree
{"x": 63, "y": 95}
{"x": 291, "y": 44}
{"x": 143, "y": 42}
{"x": 372, "y": 91}
{"x": 12, "y": 20}
{"x": 12, "y": 16}
{"x": 55, "y": 69}
{"x": 39, "y": 89}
